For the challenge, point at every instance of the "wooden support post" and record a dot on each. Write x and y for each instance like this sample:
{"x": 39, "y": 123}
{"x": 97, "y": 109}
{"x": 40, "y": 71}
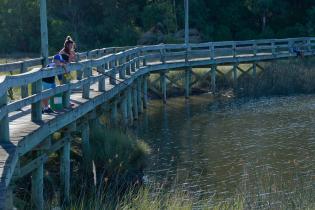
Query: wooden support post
{"x": 101, "y": 82}
{"x": 128, "y": 65}
{"x": 78, "y": 72}
{"x": 85, "y": 135}
{"x": 129, "y": 104}
{"x": 234, "y": 50}
{"x": 86, "y": 87}
{"x": 24, "y": 88}
{"x": 38, "y": 187}
{"x": 163, "y": 86}
{"x": 4, "y": 122}
{"x": 145, "y": 91}
{"x": 187, "y": 82}
{"x": 37, "y": 106}
{"x": 124, "y": 109}
{"x": 235, "y": 74}
{"x": 254, "y": 70}
{"x": 112, "y": 74}
{"x": 213, "y": 78}
{"x": 122, "y": 68}
{"x": 44, "y": 32}
{"x": 139, "y": 98}
{"x": 144, "y": 61}
{"x": 309, "y": 46}
{"x": 273, "y": 48}
{"x": 66, "y": 94}
{"x": 138, "y": 60}
{"x": 255, "y": 48}
{"x": 133, "y": 63}
{"x": 135, "y": 102}
{"x": 113, "y": 117}
{"x": 65, "y": 172}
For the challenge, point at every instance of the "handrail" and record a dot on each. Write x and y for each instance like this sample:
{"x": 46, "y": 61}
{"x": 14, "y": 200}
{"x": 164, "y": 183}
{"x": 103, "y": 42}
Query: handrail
{"x": 131, "y": 59}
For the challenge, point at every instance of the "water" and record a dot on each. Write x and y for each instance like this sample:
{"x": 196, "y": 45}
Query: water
{"x": 222, "y": 147}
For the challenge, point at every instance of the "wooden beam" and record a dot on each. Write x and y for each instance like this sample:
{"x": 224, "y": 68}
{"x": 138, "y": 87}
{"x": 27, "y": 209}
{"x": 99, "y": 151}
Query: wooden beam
{"x": 86, "y": 87}
{"x": 44, "y": 32}
{"x": 129, "y": 105}
{"x": 163, "y": 86}
{"x": 187, "y": 82}
{"x": 213, "y": 78}
{"x": 4, "y": 122}
{"x": 65, "y": 172}
{"x": 38, "y": 187}
{"x": 139, "y": 95}
{"x": 37, "y": 106}
{"x": 145, "y": 91}
{"x": 135, "y": 102}
{"x": 113, "y": 116}
{"x": 85, "y": 135}
{"x": 124, "y": 109}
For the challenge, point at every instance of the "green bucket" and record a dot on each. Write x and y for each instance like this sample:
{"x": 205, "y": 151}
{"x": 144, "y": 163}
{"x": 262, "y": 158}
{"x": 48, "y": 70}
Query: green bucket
{"x": 56, "y": 102}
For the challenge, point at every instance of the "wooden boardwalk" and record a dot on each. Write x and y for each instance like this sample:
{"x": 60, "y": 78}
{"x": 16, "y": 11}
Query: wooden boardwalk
{"x": 121, "y": 78}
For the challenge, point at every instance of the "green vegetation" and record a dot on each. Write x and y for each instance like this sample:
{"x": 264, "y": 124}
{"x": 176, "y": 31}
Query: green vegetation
{"x": 98, "y": 23}
{"x": 258, "y": 190}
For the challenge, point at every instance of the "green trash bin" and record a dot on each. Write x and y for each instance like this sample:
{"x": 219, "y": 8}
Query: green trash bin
{"x": 56, "y": 102}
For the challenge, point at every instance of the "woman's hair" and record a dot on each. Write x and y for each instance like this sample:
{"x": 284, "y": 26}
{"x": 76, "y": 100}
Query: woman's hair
{"x": 67, "y": 42}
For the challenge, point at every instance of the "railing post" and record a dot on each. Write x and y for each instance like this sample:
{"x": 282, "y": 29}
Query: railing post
{"x": 86, "y": 87}
{"x": 37, "y": 107}
{"x": 66, "y": 94}
{"x": 4, "y": 122}
{"x": 234, "y": 50}
{"x": 128, "y": 65}
{"x": 138, "y": 60}
{"x": 255, "y": 48}
{"x": 145, "y": 91}
{"x": 273, "y": 48}
{"x": 309, "y": 47}
{"x": 101, "y": 82}
{"x": 162, "y": 55}
{"x": 133, "y": 63}
{"x": 112, "y": 73}
{"x": 144, "y": 61}
{"x": 24, "y": 88}
{"x": 122, "y": 68}
{"x": 212, "y": 53}
{"x": 38, "y": 187}
{"x": 79, "y": 73}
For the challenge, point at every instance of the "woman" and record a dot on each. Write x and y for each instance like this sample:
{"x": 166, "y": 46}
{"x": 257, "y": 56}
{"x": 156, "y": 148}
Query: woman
{"x": 69, "y": 49}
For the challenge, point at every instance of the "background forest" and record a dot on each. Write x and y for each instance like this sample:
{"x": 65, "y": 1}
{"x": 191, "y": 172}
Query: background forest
{"x": 101, "y": 23}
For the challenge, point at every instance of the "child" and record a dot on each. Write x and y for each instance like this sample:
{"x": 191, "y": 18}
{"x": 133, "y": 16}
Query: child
{"x": 49, "y": 82}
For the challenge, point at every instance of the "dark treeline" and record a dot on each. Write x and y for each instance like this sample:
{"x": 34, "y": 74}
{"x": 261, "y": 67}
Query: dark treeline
{"x": 100, "y": 23}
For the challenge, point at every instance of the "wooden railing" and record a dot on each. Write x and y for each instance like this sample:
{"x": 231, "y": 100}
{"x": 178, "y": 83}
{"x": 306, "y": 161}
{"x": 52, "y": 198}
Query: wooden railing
{"x": 112, "y": 64}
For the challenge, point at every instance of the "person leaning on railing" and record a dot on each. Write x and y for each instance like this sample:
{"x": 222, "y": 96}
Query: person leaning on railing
{"x": 68, "y": 53}
{"x": 49, "y": 82}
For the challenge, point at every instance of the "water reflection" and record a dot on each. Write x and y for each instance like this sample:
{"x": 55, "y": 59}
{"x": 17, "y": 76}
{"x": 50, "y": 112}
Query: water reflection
{"x": 208, "y": 147}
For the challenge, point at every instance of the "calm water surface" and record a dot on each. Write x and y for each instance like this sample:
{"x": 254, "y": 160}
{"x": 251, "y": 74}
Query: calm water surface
{"x": 220, "y": 147}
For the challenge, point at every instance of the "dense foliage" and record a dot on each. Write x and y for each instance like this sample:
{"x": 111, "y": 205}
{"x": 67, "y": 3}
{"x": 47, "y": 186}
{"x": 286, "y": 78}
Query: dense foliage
{"x": 99, "y": 23}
